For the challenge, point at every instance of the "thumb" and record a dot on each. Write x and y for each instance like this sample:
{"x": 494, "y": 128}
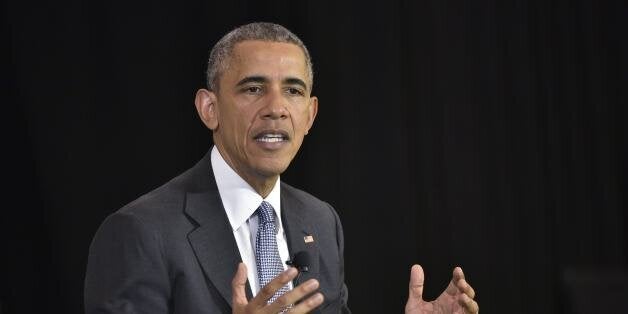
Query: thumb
{"x": 416, "y": 283}
{"x": 238, "y": 286}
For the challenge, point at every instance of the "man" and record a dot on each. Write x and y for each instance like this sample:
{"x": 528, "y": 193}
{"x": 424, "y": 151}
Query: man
{"x": 215, "y": 239}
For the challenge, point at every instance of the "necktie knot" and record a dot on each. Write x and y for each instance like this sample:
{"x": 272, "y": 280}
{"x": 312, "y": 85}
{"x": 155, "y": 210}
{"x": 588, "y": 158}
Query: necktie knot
{"x": 265, "y": 212}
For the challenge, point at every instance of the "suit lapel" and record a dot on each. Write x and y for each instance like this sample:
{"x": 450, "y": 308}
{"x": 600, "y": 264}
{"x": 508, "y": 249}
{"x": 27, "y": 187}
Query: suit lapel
{"x": 297, "y": 229}
{"x": 212, "y": 241}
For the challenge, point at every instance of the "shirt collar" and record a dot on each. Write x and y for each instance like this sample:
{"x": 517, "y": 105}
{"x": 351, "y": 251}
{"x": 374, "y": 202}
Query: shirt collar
{"x": 239, "y": 199}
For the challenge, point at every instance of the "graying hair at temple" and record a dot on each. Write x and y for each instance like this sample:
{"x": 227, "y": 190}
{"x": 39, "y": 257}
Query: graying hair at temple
{"x": 220, "y": 53}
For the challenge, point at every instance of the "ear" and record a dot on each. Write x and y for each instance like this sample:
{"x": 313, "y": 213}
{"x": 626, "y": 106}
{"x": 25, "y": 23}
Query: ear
{"x": 207, "y": 109}
{"x": 312, "y": 111}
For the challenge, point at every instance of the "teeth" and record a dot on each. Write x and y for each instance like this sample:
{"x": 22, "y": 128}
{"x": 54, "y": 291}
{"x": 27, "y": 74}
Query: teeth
{"x": 271, "y": 138}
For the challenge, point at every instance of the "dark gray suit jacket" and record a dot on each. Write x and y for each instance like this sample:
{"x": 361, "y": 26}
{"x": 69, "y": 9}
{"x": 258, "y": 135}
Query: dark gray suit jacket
{"x": 173, "y": 250}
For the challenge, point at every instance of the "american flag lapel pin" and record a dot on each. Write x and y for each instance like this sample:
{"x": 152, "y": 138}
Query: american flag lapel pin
{"x": 308, "y": 239}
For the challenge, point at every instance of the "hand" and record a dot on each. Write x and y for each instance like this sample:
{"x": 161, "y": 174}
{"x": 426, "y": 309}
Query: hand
{"x": 258, "y": 304}
{"x": 456, "y": 299}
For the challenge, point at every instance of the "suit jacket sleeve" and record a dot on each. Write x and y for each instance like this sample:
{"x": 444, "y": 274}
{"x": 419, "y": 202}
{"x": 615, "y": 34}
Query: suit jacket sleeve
{"x": 126, "y": 272}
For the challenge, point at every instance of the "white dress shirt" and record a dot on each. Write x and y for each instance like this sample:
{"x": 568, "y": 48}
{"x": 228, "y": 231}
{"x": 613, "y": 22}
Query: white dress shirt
{"x": 240, "y": 202}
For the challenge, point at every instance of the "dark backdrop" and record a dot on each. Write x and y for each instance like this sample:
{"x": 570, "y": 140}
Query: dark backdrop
{"x": 487, "y": 134}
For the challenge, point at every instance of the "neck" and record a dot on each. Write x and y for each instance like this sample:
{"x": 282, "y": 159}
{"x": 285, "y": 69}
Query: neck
{"x": 263, "y": 187}
{"x": 262, "y": 184}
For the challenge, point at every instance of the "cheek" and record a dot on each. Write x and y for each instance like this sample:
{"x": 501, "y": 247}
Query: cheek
{"x": 301, "y": 122}
{"x": 239, "y": 123}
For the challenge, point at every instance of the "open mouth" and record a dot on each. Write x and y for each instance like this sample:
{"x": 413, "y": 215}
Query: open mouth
{"x": 272, "y": 137}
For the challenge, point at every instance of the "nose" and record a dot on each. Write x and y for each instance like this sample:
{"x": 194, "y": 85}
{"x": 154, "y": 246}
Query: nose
{"x": 275, "y": 107}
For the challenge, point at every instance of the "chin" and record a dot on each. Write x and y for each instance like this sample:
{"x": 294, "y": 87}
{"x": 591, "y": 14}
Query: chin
{"x": 272, "y": 169}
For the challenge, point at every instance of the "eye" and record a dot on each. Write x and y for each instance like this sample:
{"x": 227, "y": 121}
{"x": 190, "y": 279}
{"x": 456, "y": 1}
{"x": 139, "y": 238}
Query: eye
{"x": 253, "y": 89}
{"x": 295, "y": 91}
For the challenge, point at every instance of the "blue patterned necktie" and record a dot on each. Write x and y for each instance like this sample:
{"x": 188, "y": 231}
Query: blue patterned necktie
{"x": 267, "y": 257}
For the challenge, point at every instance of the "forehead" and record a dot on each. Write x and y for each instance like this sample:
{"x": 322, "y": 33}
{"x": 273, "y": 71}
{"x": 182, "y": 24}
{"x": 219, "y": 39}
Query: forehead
{"x": 267, "y": 59}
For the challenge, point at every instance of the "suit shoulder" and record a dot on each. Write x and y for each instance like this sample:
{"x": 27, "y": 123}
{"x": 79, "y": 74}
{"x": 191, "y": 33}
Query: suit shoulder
{"x": 314, "y": 205}
{"x": 303, "y": 196}
{"x": 160, "y": 199}
{"x": 161, "y": 204}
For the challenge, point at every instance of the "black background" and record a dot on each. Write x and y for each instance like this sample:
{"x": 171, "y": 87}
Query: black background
{"x": 487, "y": 134}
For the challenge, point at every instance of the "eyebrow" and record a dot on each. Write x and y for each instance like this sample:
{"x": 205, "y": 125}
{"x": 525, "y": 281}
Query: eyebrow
{"x": 295, "y": 81}
{"x": 262, "y": 79}
{"x": 252, "y": 79}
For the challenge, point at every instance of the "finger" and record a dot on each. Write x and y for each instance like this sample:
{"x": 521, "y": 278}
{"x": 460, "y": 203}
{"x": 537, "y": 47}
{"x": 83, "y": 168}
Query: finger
{"x": 457, "y": 275}
{"x": 294, "y": 295}
{"x": 309, "y": 304}
{"x": 465, "y": 288}
{"x": 417, "y": 279}
{"x": 469, "y": 304}
{"x": 238, "y": 286}
{"x": 269, "y": 289}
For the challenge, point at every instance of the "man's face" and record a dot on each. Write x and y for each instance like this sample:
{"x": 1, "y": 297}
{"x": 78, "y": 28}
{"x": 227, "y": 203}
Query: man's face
{"x": 263, "y": 108}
